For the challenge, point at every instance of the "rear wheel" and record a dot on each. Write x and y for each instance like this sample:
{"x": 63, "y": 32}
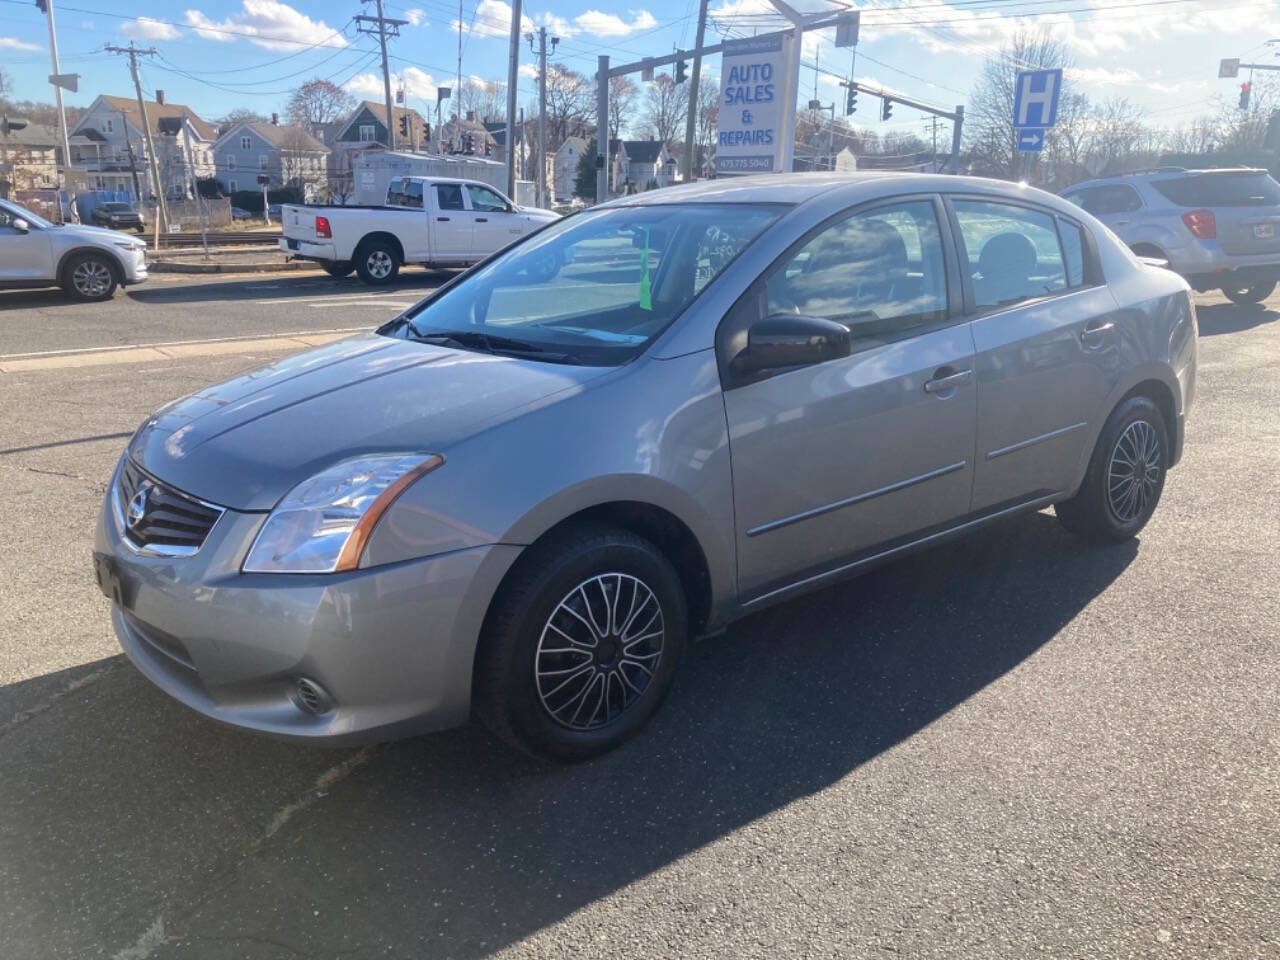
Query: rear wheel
{"x": 1125, "y": 476}
{"x": 339, "y": 268}
{"x": 1254, "y": 293}
{"x": 89, "y": 277}
{"x": 377, "y": 263}
{"x": 582, "y": 644}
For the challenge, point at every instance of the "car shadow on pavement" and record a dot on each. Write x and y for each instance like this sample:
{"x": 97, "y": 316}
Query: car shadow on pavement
{"x": 452, "y": 845}
{"x": 1219, "y": 318}
{"x": 273, "y": 286}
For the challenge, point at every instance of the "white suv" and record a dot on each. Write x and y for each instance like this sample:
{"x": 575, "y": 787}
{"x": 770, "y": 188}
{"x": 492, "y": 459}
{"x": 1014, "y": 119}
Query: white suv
{"x": 88, "y": 262}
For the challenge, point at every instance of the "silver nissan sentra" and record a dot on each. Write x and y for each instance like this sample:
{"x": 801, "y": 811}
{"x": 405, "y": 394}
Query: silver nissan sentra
{"x": 522, "y": 497}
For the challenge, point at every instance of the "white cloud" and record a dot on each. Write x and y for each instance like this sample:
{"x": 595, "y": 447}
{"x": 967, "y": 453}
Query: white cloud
{"x": 493, "y": 19}
{"x": 528, "y": 70}
{"x": 145, "y": 28}
{"x": 417, "y": 83}
{"x": 416, "y": 16}
{"x": 610, "y": 25}
{"x": 558, "y": 26}
{"x": 9, "y": 43}
{"x": 269, "y": 24}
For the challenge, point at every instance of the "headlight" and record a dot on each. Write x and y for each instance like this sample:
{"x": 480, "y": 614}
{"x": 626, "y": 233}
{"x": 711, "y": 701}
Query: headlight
{"x": 323, "y": 524}
{"x": 129, "y": 245}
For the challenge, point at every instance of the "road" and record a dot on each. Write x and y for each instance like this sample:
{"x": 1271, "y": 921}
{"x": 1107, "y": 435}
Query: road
{"x": 1012, "y": 746}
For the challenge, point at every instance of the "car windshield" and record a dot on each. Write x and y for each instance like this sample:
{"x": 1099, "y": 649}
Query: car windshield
{"x": 595, "y": 288}
{"x": 22, "y": 213}
{"x": 1253, "y": 188}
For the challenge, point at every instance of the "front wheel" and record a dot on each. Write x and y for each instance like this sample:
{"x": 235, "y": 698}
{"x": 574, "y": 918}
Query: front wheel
{"x": 1255, "y": 293}
{"x": 582, "y": 644}
{"x": 1125, "y": 476}
{"x": 89, "y": 277}
{"x": 338, "y": 269}
{"x": 377, "y": 263}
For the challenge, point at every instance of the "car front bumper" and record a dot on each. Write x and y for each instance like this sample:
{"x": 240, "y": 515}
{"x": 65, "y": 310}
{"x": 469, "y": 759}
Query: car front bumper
{"x": 135, "y": 268}
{"x": 390, "y": 648}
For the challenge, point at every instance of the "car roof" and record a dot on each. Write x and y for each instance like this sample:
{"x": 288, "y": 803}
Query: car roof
{"x": 1161, "y": 173}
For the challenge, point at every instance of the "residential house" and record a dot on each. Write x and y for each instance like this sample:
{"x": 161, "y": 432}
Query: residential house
{"x": 29, "y": 159}
{"x": 366, "y": 129}
{"x": 288, "y": 155}
{"x": 564, "y": 175}
{"x": 451, "y": 136}
{"x": 108, "y": 143}
{"x": 638, "y": 163}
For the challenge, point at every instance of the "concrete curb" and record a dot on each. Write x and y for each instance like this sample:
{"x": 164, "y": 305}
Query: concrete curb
{"x": 261, "y": 266}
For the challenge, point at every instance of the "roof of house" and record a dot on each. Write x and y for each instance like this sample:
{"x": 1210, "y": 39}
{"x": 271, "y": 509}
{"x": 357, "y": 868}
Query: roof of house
{"x": 129, "y": 107}
{"x": 288, "y": 137}
{"x": 577, "y": 142}
{"x": 642, "y": 151}
{"x": 33, "y": 135}
{"x": 379, "y": 110}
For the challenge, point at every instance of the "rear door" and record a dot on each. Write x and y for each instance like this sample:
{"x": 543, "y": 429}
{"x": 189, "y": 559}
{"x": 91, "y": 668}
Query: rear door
{"x": 1245, "y": 206}
{"x": 452, "y": 225}
{"x": 1115, "y": 204}
{"x": 496, "y": 222}
{"x": 1047, "y": 345}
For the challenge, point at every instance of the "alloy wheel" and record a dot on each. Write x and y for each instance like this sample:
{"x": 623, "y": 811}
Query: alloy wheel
{"x": 599, "y": 650}
{"x": 1133, "y": 474}
{"x": 379, "y": 264}
{"x": 91, "y": 278}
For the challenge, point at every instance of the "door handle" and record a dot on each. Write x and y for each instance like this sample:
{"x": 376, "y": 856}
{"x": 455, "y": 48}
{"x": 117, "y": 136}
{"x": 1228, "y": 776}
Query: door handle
{"x": 482, "y": 219}
{"x": 1093, "y": 330}
{"x": 443, "y": 219}
{"x": 943, "y": 381}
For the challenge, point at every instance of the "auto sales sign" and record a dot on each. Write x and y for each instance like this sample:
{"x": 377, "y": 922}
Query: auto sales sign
{"x": 757, "y": 104}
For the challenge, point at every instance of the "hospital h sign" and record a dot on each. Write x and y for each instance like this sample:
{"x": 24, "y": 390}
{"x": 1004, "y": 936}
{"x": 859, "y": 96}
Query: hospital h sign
{"x": 1035, "y": 101}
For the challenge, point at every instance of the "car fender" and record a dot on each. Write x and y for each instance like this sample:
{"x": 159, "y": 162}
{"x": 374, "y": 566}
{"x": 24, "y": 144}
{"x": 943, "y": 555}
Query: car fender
{"x": 111, "y": 256}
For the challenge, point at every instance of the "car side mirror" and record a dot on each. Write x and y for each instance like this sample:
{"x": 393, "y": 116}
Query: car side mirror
{"x": 792, "y": 340}
{"x": 21, "y": 225}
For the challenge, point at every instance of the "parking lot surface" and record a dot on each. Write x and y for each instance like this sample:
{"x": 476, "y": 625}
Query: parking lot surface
{"x": 1011, "y": 746}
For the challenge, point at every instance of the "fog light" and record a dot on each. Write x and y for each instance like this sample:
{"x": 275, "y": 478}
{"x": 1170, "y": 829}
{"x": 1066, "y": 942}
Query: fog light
{"x": 310, "y": 697}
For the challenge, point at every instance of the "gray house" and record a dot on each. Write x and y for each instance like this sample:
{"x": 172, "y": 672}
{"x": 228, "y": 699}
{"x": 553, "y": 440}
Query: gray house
{"x": 288, "y": 155}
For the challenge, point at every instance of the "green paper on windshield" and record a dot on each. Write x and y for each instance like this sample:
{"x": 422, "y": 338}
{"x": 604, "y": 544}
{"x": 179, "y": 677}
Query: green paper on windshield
{"x": 646, "y": 293}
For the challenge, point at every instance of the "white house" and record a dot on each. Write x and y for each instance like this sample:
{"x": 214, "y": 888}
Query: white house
{"x": 110, "y": 133}
{"x": 288, "y": 155}
{"x": 564, "y": 173}
{"x": 637, "y": 162}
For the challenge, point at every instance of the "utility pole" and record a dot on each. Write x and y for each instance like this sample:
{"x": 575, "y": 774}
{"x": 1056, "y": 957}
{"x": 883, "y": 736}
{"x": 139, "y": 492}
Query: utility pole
{"x": 541, "y": 51}
{"x": 513, "y": 81}
{"x": 57, "y": 92}
{"x": 690, "y": 151}
{"x": 132, "y": 53}
{"x": 457, "y": 104}
{"x": 384, "y": 28}
{"x": 133, "y": 163}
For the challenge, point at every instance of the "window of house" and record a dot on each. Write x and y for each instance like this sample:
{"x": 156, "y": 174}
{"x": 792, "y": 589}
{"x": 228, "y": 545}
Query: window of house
{"x": 232, "y": 186}
{"x": 1013, "y": 252}
{"x": 262, "y": 161}
{"x": 110, "y": 126}
{"x": 880, "y": 272}
{"x": 246, "y": 143}
{"x": 368, "y": 133}
{"x": 231, "y": 161}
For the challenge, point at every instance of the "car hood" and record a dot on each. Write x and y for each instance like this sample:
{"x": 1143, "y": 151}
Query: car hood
{"x": 96, "y": 234}
{"x": 244, "y": 443}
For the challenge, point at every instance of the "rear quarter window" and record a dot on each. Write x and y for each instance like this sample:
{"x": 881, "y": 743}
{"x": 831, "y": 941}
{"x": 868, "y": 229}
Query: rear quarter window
{"x": 1221, "y": 190}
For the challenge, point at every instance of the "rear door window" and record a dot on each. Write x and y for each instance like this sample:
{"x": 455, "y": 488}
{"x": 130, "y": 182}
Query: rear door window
{"x": 1013, "y": 252}
{"x": 1072, "y": 251}
{"x": 1252, "y": 189}
{"x": 1111, "y": 198}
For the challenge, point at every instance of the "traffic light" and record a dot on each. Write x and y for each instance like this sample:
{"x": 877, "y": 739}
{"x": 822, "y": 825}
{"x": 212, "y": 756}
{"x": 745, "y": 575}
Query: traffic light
{"x": 1244, "y": 95}
{"x": 851, "y": 101}
{"x": 9, "y": 124}
{"x": 468, "y": 144}
{"x": 886, "y": 111}
{"x": 680, "y": 71}
{"x": 488, "y": 148}
{"x": 44, "y": 7}
{"x": 404, "y": 125}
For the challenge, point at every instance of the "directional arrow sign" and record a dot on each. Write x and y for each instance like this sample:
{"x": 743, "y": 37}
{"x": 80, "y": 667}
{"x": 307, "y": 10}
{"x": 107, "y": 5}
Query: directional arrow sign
{"x": 67, "y": 81}
{"x": 1031, "y": 139}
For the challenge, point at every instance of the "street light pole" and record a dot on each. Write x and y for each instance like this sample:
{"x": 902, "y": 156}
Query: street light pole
{"x": 57, "y": 93}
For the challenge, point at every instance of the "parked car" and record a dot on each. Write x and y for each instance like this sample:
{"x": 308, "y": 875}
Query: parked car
{"x": 239, "y": 213}
{"x": 428, "y": 220}
{"x": 633, "y": 427}
{"x": 87, "y": 262}
{"x": 1218, "y": 228}
{"x": 273, "y": 211}
{"x": 117, "y": 216}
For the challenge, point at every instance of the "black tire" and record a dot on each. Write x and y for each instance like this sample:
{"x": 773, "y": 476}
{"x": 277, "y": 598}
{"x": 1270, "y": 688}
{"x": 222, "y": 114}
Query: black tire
{"x": 377, "y": 262}
{"x": 338, "y": 269}
{"x": 1105, "y": 509}
{"x": 140, "y": 229}
{"x": 90, "y": 277}
{"x": 1254, "y": 293}
{"x": 518, "y": 691}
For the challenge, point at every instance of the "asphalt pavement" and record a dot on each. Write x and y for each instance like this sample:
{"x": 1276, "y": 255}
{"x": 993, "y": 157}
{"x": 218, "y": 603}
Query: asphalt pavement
{"x": 1011, "y": 746}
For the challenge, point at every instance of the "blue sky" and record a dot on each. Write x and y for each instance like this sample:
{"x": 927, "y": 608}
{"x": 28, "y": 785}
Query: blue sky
{"x": 222, "y": 54}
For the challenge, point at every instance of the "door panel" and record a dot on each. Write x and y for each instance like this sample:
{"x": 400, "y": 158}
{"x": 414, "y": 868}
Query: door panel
{"x": 495, "y": 225}
{"x": 452, "y": 225}
{"x": 23, "y": 256}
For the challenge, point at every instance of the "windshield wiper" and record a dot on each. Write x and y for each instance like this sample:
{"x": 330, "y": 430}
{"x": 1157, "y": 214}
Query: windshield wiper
{"x": 491, "y": 343}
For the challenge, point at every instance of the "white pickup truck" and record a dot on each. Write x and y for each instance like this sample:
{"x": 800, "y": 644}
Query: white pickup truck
{"x": 429, "y": 220}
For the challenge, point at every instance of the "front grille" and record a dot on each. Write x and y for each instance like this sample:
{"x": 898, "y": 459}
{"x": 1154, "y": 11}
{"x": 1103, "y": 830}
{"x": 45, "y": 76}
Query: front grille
{"x": 162, "y": 521}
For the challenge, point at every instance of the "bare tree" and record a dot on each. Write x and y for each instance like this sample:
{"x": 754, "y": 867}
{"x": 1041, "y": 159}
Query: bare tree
{"x": 989, "y": 119}
{"x": 5, "y": 83}
{"x": 623, "y": 94}
{"x": 1067, "y": 145}
{"x": 665, "y": 106}
{"x": 708, "y": 120}
{"x": 318, "y": 101}
{"x": 301, "y": 166}
{"x": 571, "y": 102}
{"x": 1119, "y": 136}
{"x": 486, "y": 99}
{"x": 241, "y": 115}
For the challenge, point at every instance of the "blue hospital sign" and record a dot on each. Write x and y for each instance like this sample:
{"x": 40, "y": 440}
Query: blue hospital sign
{"x": 753, "y": 94}
{"x": 1035, "y": 98}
